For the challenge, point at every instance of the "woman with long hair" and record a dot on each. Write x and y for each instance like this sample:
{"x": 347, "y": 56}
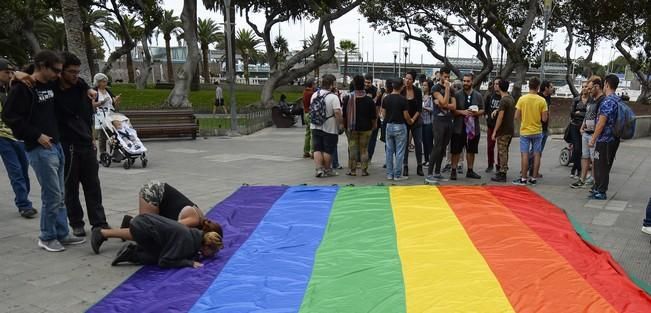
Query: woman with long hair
{"x": 360, "y": 119}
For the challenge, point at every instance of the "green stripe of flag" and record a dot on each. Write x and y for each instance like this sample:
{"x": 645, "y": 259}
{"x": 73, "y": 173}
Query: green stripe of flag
{"x": 357, "y": 267}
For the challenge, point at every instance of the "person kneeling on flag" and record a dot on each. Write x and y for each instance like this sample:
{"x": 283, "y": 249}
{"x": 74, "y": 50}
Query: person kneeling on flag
{"x": 168, "y": 243}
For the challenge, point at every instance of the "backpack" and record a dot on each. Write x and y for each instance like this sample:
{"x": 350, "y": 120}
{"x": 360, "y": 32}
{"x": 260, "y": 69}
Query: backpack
{"x": 318, "y": 112}
{"x": 625, "y": 121}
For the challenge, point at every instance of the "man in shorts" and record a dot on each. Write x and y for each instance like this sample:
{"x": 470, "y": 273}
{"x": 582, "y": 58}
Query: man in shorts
{"x": 466, "y": 130}
{"x": 595, "y": 86}
{"x": 532, "y": 110}
{"x": 326, "y": 135}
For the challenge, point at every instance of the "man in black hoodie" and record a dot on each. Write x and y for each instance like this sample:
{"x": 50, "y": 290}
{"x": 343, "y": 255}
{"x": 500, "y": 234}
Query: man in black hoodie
{"x": 30, "y": 113}
{"x": 75, "y": 115}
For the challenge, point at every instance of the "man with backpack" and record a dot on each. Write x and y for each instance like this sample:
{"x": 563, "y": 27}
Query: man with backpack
{"x": 605, "y": 138}
{"x": 326, "y": 122}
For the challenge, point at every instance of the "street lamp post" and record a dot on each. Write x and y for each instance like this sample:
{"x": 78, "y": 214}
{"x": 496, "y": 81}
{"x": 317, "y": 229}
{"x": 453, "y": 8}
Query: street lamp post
{"x": 395, "y": 57}
{"x": 405, "y": 60}
{"x": 446, "y": 38}
{"x": 231, "y": 70}
{"x": 547, "y": 10}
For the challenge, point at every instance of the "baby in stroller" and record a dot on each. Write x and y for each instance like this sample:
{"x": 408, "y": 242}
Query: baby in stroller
{"x": 124, "y": 142}
{"x": 128, "y": 137}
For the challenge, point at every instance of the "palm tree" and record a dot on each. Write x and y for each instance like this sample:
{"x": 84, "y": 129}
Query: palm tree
{"x": 208, "y": 32}
{"x": 322, "y": 48}
{"x": 75, "y": 34}
{"x": 135, "y": 31}
{"x": 282, "y": 50}
{"x": 346, "y": 46}
{"x": 92, "y": 22}
{"x": 51, "y": 33}
{"x": 169, "y": 25}
{"x": 246, "y": 43}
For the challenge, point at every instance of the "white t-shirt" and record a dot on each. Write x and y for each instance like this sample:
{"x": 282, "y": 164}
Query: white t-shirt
{"x": 218, "y": 93}
{"x": 332, "y": 104}
{"x": 105, "y": 100}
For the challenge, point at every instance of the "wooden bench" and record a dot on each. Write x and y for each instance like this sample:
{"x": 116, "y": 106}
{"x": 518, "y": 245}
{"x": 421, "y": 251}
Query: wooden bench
{"x": 164, "y": 123}
{"x": 164, "y": 85}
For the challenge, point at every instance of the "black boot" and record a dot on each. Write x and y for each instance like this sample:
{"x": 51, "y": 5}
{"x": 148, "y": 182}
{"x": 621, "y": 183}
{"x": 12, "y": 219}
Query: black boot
{"x": 126, "y": 254}
{"x": 126, "y": 220}
{"x": 405, "y": 171}
{"x": 499, "y": 177}
{"x": 96, "y": 239}
{"x": 419, "y": 170}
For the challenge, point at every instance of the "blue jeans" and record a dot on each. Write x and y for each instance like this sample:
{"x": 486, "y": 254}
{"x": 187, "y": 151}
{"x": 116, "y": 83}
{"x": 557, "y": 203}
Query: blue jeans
{"x": 396, "y": 144}
{"x": 531, "y": 144}
{"x": 543, "y": 141}
{"x": 48, "y": 164}
{"x": 15, "y": 160}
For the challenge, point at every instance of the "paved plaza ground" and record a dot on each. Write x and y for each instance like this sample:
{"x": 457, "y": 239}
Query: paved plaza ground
{"x": 209, "y": 169}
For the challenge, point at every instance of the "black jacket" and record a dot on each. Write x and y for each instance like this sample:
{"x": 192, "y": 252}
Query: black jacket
{"x": 30, "y": 112}
{"x": 172, "y": 243}
{"x": 75, "y": 115}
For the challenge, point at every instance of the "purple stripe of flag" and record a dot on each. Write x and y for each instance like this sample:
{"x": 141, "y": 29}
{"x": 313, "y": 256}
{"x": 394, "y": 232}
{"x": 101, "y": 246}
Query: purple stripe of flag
{"x": 152, "y": 289}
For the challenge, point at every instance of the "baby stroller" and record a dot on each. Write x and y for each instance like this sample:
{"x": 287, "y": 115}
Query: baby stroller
{"x": 565, "y": 158}
{"x": 124, "y": 144}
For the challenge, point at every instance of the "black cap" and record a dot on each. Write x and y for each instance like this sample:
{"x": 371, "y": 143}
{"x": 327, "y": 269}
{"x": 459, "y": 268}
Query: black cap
{"x": 5, "y": 65}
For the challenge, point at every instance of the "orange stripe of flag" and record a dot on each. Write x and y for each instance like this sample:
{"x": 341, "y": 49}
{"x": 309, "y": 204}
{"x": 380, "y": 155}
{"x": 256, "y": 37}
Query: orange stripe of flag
{"x": 594, "y": 264}
{"x": 535, "y": 278}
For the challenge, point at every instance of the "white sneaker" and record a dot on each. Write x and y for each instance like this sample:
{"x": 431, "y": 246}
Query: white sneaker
{"x": 51, "y": 245}
{"x": 401, "y": 178}
{"x": 646, "y": 230}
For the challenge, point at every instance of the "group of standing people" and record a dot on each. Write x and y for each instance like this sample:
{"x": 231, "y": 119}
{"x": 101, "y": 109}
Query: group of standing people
{"x": 51, "y": 112}
{"x": 592, "y": 134}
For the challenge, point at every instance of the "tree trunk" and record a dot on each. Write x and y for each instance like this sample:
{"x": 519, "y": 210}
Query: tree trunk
{"x": 569, "y": 63}
{"x": 636, "y": 67}
{"x": 32, "y": 40}
{"x": 245, "y": 60}
{"x": 345, "y": 67}
{"x": 205, "y": 65}
{"x": 141, "y": 81}
{"x": 75, "y": 35}
{"x": 645, "y": 93}
{"x": 115, "y": 55}
{"x": 170, "y": 66}
{"x": 520, "y": 77}
{"x": 179, "y": 95}
{"x": 90, "y": 55}
{"x": 288, "y": 72}
{"x": 130, "y": 67}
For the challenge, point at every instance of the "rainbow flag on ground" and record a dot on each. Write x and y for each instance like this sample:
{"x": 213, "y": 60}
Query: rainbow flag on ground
{"x": 389, "y": 249}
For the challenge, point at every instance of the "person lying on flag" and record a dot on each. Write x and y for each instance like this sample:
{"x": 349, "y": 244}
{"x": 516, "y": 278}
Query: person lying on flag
{"x": 166, "y": 242}
{"x": 162, "y": 199}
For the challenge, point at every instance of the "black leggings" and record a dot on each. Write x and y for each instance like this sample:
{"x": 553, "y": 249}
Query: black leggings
{"x": 577, "y": 141}
{"x": 442, "y": 132}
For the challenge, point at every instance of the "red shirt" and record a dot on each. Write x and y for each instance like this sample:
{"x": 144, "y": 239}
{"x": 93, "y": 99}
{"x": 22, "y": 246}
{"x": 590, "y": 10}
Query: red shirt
{"x": 307, "y": 96}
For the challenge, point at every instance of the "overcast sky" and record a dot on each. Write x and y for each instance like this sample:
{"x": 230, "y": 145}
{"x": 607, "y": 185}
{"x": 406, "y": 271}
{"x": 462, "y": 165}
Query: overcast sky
{"x": 353, "y": 26}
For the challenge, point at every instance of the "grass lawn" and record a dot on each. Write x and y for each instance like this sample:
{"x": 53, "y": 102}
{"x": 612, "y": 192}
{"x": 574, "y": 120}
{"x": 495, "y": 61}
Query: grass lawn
{"x": 202, "y": 100}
